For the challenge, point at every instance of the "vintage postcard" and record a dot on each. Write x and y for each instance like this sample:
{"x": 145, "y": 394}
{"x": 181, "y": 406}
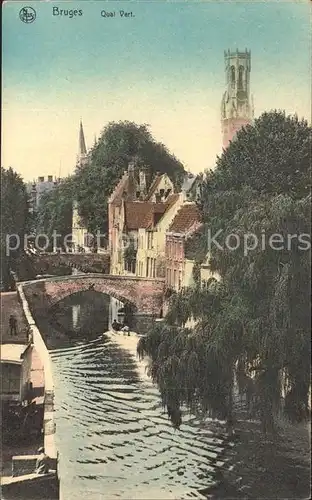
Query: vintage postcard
{"x": 155, "y": 250}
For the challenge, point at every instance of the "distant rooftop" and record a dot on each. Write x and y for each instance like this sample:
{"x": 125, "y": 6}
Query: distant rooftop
{"x": 187, "y": 216}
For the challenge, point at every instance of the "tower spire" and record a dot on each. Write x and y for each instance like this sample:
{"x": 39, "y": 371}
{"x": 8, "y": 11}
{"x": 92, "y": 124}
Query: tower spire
{"x": 82, "y": 143}
{"x": 82, "y": 157}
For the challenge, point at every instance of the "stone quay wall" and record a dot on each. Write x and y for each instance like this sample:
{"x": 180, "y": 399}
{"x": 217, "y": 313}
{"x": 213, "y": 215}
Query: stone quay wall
{"x": 38, "y": 342}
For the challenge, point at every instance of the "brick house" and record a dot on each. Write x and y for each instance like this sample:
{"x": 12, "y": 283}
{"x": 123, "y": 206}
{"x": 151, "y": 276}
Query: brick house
{"x": 178, "y": 270}
{"x": 152, "y": 239}
{"x": 134, "y": 205}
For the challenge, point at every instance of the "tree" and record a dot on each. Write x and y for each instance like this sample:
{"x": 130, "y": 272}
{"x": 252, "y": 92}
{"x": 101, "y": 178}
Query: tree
{"x": 55, "y": 212}
{"x": 119, "y": 144}
{"x": 14, "y": 220}
{"x": 93, "y": 182}
{"x": 253, "y": 328}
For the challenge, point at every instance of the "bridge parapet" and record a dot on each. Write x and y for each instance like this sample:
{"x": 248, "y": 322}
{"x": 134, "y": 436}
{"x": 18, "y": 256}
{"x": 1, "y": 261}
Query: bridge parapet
{"x": 45, "y": 263}
{"x": 145, "y": 294}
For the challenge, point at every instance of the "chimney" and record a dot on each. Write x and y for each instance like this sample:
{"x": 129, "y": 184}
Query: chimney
{"x": 142, "y": 179}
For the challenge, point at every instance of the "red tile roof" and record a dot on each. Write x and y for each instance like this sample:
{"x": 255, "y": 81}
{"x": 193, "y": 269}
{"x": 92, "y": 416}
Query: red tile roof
{"x": 140, "y": 214}
{"x": 187, "y": 216}
{"x": 170, "y": 201}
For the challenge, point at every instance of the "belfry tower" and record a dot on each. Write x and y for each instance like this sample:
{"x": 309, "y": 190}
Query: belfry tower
{"x": 82, "y": 157}
{"x": 236, "y": 107}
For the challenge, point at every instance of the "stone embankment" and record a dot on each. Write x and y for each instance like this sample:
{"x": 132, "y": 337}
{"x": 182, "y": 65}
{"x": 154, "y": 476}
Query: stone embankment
{"x": 31, "y": 485}
{"x": 44, "y": 356}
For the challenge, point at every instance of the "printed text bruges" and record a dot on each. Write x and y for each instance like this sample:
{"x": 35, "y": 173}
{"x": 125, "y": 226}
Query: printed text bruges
{"x": 67, "y": 13}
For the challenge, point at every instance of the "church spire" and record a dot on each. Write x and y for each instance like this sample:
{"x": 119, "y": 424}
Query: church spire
{"x": 82, "y": 157}
{"x": 82, "y": 142}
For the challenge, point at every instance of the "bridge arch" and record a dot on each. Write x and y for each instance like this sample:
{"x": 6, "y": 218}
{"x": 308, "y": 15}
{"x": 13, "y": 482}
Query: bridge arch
{"x": 146, "y": 295}
{"x": 74, "y": 288}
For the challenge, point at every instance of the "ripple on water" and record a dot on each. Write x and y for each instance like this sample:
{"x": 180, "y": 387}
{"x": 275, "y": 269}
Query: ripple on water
{"x": 113, "y": 437}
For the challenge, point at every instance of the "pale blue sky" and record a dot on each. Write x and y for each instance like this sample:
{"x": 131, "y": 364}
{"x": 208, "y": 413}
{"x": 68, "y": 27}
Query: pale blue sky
{"x": 165, "y": 67}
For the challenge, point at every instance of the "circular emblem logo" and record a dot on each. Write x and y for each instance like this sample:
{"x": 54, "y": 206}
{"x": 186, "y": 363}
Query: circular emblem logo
{"x": 27, "y": 15}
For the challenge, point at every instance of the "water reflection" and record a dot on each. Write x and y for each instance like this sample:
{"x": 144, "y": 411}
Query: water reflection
{"x": 82, "y": 312}
{"x": 113, "y": 437}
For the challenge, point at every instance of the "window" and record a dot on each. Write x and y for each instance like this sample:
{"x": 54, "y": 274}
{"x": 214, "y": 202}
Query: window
{"x": 175, "y": 278}
{"x": 147, "y": 266}
{"x": 241, "y": 77}
{"x": 154, "y": 268}
{"x": 150, "y": 239}
{"x": 232, "y": 76}
{"x": 180, "y": 249}
{"x": 11, "y": 376}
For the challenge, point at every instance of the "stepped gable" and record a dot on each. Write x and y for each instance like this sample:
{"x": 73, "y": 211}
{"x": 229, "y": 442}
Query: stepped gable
{"x": 185, "y": 219}
{"x": 117, "y": 195}
{"x": 154, "y": 185}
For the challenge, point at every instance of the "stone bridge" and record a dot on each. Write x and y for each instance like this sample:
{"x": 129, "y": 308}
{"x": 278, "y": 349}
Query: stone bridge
{"x": 146, "y": 295}
{"x": 46, "y": 263}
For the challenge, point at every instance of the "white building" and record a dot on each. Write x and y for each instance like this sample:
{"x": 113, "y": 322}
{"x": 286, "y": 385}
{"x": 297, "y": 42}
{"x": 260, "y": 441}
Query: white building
{"x": 15, "y": 371}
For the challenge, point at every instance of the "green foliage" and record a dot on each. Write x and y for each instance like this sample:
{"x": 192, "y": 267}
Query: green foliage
{"x": 14, "y": 218}
{"x": 55, "y": 211}
{"x": 92, "y": 183}
{"x": 272, "y": 156}
{"x": 253, "y": 328}
{"x": 119, "y": 144}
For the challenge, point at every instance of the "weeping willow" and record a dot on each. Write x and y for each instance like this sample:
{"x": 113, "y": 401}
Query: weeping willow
{"x": 250, "y": 336}
{"x": 229, "y": 353}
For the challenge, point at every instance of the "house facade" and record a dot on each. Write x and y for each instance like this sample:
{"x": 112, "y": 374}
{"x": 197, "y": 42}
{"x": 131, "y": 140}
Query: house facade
{"x": 178, "y": 269}
{"x": 15, "y": 372}
{"x": 152, "y": 240}
{"x": 134, "y": 209}
{"x": 160, "y": 188}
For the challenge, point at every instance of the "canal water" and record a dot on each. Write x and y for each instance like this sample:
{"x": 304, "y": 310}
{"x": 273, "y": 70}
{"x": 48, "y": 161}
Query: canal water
{"x": 113, "y": 437}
